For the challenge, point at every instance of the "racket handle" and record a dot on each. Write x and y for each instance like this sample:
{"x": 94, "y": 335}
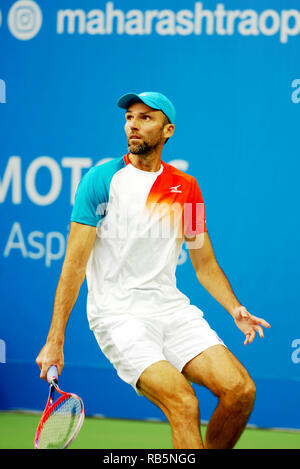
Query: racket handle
{"x": 52, "y": 374}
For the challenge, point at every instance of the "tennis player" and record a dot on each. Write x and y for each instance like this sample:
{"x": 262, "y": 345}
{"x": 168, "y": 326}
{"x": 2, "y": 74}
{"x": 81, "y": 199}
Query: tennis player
{"x": 129, "y": 220}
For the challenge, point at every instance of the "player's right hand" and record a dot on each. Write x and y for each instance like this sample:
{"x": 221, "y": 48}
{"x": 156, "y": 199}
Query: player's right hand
{"x": 51, "y": 354}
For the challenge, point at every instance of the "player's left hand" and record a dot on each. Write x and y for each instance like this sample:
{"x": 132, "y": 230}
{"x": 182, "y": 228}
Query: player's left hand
{"x": 249, "y": 324}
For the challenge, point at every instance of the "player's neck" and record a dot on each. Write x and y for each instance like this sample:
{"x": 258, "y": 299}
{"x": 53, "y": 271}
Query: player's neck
{"x": 150, "y": 162}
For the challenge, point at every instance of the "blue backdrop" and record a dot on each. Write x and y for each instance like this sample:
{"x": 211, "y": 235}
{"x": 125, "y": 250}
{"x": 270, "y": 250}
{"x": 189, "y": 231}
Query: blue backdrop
{"x": 232, "y": 71}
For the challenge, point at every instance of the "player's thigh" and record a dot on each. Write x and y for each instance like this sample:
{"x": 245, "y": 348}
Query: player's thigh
{"x": 166, "y": 387}
{"x": 219, "y": 370}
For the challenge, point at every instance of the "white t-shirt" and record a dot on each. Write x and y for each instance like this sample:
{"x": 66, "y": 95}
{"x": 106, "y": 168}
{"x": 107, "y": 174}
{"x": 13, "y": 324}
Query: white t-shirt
{"x": 141, "y": 220}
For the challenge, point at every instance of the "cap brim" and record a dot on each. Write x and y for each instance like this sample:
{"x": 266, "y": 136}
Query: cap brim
{"x": 129, "y": 98}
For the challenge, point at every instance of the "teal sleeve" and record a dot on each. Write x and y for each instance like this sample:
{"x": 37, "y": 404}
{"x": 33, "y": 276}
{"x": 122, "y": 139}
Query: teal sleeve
{"x": 90, "y": 199}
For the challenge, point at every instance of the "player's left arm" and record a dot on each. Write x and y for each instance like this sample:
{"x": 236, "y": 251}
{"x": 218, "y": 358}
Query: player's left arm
{"x": 214, "y": 280}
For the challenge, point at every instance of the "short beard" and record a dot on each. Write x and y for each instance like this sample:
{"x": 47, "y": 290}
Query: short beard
{"x": 143, "y": 149}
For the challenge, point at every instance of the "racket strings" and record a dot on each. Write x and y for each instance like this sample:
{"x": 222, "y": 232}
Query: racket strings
{"x": 61, "y": 424}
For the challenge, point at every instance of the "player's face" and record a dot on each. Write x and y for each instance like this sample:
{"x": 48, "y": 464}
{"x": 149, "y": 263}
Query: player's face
{"x": 146, "y": 128}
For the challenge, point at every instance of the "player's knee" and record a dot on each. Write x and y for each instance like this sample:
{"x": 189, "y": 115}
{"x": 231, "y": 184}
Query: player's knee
{"x": 247, "y": 394}
{"x": 241, "y": 395}
{"x": 184, "y": 406}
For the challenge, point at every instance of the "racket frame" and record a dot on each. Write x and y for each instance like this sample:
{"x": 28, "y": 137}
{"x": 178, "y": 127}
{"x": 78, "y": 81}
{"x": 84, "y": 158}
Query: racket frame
{"x": 51, "y": 406}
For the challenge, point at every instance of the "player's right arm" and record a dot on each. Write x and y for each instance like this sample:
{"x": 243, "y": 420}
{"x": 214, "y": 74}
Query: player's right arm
{"x": 80, "y": 243}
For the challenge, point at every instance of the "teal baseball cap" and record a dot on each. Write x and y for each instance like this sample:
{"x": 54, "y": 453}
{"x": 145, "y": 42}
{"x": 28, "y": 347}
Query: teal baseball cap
{"x": 152, "y": 99}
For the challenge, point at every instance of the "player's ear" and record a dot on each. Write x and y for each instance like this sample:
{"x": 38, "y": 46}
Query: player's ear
{"x": 169, "y": 130}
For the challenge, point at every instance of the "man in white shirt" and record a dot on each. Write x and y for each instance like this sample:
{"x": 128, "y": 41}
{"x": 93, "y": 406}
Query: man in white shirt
{"x": 128, "y": 223}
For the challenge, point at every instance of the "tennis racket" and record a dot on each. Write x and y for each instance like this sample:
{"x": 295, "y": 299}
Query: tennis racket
{"x": 61, "y": 420}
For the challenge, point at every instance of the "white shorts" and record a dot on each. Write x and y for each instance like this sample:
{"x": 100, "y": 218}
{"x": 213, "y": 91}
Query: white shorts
{"x": 133, "y": 342}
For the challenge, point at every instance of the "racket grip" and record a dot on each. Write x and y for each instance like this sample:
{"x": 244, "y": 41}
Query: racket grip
{"x": 52, "y": 374}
